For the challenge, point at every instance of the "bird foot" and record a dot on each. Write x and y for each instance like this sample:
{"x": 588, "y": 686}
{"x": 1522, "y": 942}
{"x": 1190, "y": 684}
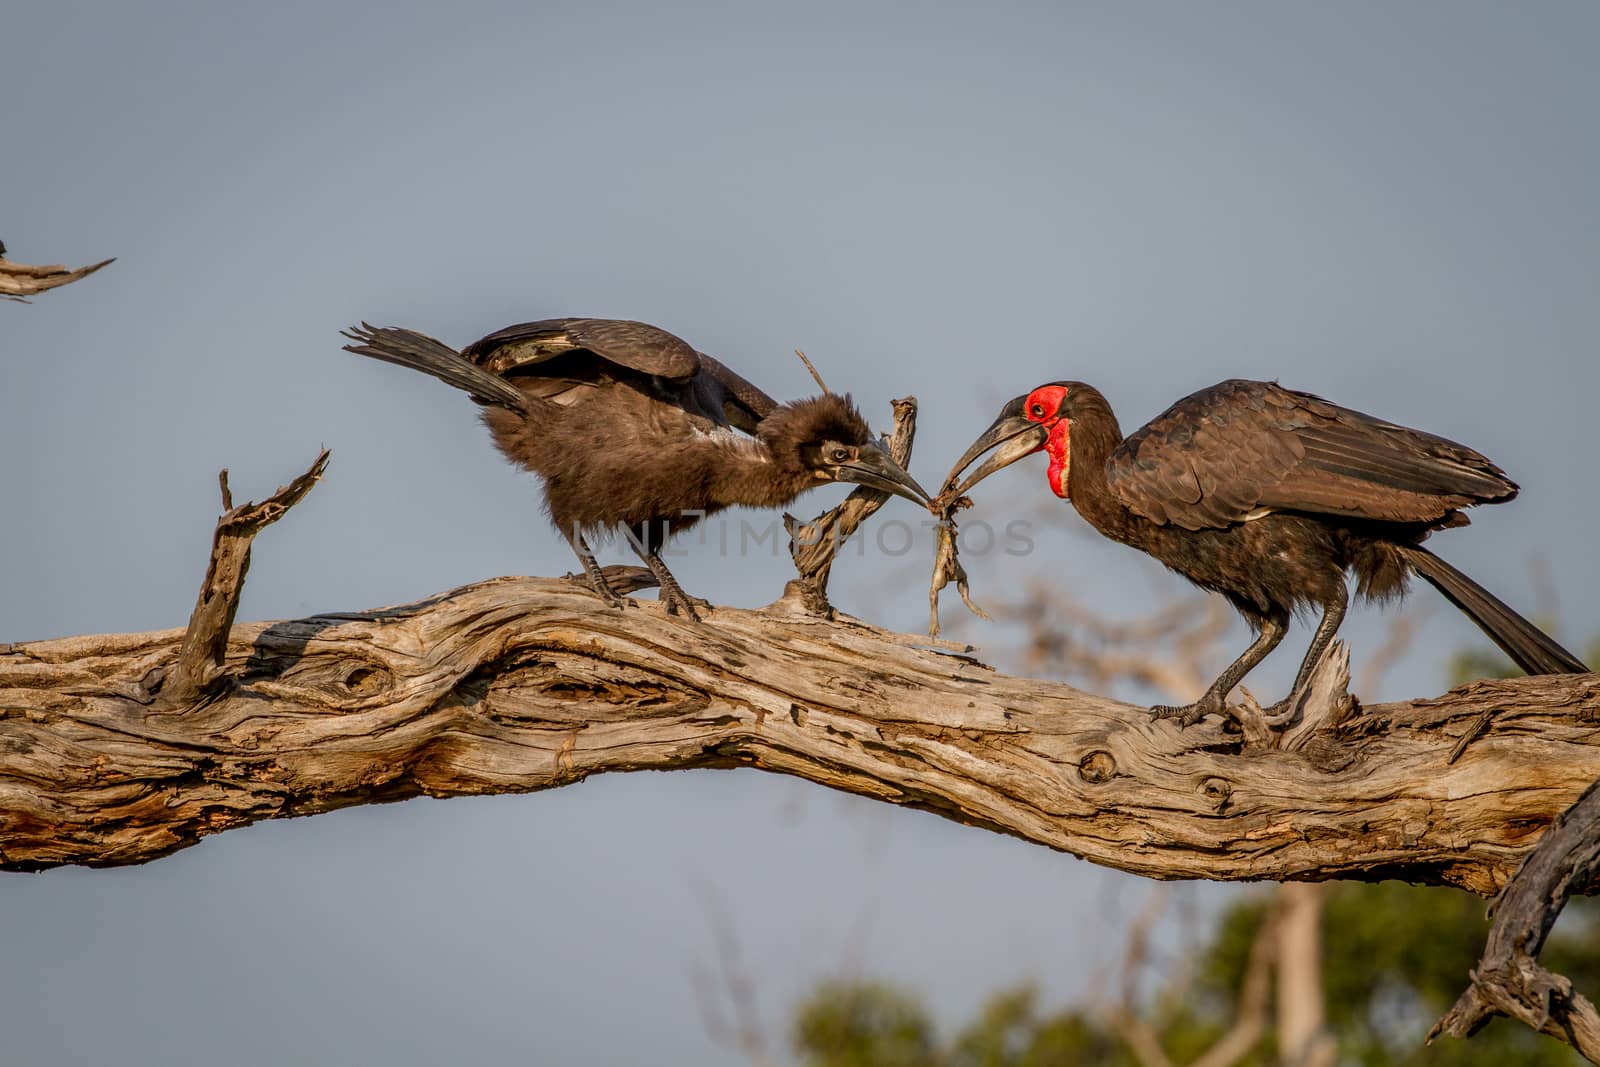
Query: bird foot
{"x": 671, "y": 594}
{"x": 677, "y": 601}
{"x": 597, "y": 585}
{"x": 1189, "y": 714}
{"x": 1283, "y": 711}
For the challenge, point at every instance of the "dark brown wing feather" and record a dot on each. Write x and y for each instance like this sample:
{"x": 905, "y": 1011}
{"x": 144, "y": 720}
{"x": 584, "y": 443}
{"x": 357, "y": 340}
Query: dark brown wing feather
{"x": 741, "y": 402}
{"x": 564, "y": 360}
{"x": 636, "y": 346}
{"x": 1239, "y": 447}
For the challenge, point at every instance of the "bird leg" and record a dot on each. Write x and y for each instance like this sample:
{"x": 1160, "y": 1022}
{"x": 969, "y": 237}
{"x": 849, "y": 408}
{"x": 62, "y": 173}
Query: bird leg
{"x": 1332, "y": 615}
{"x": 671, "y": 593}
{"x": 591, "y": 570}
{"x": 1214, "y": 702}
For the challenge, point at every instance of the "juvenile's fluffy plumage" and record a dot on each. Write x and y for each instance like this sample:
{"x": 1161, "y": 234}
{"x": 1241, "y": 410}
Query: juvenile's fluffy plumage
{"x": 631, "y": 429}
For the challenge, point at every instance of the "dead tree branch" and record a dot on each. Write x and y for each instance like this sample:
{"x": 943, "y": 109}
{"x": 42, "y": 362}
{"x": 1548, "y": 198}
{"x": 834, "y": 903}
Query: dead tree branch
{"x": 205, "y": 642}
{"x": 727, "y": 998}
{"x": 21, "y": 280}
{"x": 516, "y": 685}
{"x": 1508, "y": 979}
{"x": 813, "y": 545}
{"x": 1173, "y": 650}
{"x": 1255, "y": 999}
{"x": 1251, "y": 1014}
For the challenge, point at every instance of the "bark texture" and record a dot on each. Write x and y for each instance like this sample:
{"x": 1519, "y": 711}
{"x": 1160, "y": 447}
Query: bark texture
{"x": 1508, "y": 979}
{"x": 515, "y": 685}
{"x": 814, "y": 545}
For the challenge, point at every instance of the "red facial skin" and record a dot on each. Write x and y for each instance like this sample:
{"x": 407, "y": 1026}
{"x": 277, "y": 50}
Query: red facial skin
{"x": 1041, "y": 407}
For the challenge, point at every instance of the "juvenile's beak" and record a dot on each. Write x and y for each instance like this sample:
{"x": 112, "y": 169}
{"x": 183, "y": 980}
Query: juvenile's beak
{"x": 875, "y": 469}
{"x": 1016, "y": 437}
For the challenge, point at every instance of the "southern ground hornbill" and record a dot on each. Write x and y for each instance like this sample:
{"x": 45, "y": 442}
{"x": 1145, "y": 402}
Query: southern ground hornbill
{"x": 1267, "y": 496}
{"x": 631, "y": 429}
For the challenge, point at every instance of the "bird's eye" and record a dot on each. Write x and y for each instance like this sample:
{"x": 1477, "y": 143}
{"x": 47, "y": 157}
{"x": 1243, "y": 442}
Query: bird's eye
{"x": 839, "y": 455}
{"x": 1037, "y": 411}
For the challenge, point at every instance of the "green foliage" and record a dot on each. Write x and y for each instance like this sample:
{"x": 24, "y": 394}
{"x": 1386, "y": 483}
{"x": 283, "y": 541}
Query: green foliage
{"x": 868, "y": 1024}
{"x": 1395, "y": 957}
{"x": 1011, "y": 1031}
{"x": 863, "y": 1024}
{"x": 1481, "y": 663}
{"x": 1492, "y": 663}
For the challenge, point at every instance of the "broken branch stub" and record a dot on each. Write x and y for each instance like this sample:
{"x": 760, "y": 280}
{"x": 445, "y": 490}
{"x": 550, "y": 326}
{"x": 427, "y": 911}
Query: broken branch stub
{"x": 204, "y": 649}
{"x": 813, "y": 545}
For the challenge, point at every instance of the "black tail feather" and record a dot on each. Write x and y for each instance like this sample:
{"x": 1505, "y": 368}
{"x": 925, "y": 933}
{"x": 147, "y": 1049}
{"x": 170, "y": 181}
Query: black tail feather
{"x": 421, "y": 352}
{"x": 1535, "y": 651}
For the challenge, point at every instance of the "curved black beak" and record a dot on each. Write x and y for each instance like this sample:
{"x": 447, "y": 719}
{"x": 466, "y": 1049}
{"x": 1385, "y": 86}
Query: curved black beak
{"x": 1015, "y": 437}
{"x": 876, "y": 469}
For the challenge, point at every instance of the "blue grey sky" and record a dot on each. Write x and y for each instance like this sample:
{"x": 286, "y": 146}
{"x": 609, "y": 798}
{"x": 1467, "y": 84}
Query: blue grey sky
{"x": 1390, "y": 205}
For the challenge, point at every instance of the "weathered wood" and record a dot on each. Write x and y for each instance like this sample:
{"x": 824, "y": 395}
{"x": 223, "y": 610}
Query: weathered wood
{"x": 814, "y": 545}
{"x": 515, "y": 685}
{"x": 205, "y": 643}
{"x": 20, "y": 280}
{"x": 1508, "y": 979}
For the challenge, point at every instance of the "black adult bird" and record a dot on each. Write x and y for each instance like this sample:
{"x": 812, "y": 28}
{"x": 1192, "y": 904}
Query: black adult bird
{"x": 630, "y": 428}
{"x": 1267, "y": 496}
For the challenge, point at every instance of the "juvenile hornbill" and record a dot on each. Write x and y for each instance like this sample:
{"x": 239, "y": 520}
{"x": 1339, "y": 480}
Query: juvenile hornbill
{"x": 630, "y": 428}
{"x": 1267, "y": 496}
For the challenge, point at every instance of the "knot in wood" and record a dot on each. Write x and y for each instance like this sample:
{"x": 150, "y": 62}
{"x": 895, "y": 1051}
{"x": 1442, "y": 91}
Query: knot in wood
{"x": 1097, "y": 767}
{"x": 365, "y": 680}
{"x": 1217, "y": 790}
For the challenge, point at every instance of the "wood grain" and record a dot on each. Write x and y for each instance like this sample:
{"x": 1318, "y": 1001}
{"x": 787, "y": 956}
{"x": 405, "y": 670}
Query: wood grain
{"x": 516, "y": 685}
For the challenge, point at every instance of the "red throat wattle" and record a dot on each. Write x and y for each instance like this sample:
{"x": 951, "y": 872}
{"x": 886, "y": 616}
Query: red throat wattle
{"x": 1042, "y": 406}
{"x": 1059, "y": 448}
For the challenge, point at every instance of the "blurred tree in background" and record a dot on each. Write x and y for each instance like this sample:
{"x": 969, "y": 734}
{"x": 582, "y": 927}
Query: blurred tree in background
{"x": 1395, "y": 957}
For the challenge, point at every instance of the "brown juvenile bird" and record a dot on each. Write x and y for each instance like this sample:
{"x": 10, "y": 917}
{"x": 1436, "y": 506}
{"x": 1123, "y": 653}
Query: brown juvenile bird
{"x": 631, "y": 429}
{"x": 1267, "y": 496}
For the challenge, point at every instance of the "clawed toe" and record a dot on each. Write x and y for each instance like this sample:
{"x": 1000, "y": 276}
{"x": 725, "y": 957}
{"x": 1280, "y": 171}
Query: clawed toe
{"x": 1283, "y": 710}
{"x": 683, "y": 604}
{"x": 599, "y": 588}
{"x": 1188, "y": 714}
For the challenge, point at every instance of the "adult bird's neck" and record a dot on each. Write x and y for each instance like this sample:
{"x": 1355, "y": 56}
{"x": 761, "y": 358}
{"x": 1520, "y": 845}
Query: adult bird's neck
{"x": 1094, "y": 435}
